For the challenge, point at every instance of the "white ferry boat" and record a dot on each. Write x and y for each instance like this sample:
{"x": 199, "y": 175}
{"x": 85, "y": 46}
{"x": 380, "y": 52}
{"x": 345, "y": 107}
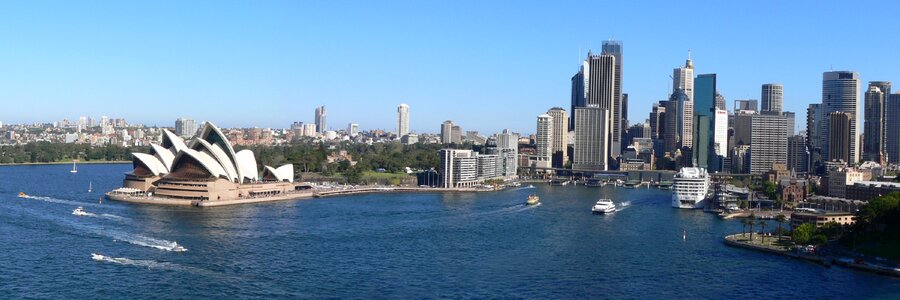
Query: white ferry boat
{"x": 690, "y": 188}
{"x": 604, "y": 206}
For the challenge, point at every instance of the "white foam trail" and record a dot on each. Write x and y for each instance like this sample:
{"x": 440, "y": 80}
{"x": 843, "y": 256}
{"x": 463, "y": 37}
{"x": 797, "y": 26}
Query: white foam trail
{"x": 623, "y": 205}
{"x": 150, "y": 264}
{"x": 527, "y": 207}
{"x": 61, "y": 201}
{"x": 145, "y": 241}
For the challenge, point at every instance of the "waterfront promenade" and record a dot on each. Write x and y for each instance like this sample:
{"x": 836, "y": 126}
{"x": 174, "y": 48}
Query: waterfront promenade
{"x": 311, "y": 192}
{"x": 781, "y": 246}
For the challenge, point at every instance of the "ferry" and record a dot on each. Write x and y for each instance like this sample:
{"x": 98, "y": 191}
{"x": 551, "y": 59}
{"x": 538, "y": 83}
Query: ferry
{"x": 604, "y": 206}
{"x": 690, "y": 188}
{"x": 532, "y": 200}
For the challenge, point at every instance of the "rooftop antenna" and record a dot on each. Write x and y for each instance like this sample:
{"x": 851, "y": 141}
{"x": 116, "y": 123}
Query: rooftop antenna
{"x": 689, "y": 54}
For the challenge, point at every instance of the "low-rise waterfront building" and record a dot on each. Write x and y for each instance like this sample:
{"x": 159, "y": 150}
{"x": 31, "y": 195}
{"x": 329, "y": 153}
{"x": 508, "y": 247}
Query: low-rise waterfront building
{"x": 866, "y": 190}
{"x": 820, "y": 219}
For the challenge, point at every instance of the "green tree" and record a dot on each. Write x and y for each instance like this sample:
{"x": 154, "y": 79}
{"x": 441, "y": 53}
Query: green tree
{"x": 803, "y": 233}
{"x": 762, "y": 225}
{"x": 770, "y": 189}
{"x": 780, "y": 219}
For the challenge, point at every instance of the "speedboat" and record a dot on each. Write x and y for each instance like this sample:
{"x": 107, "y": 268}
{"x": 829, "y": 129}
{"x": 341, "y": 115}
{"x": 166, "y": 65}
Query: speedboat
{"x": 604, "y": 206}
{"x": 96, "y": 256}
{"x": 79, "y": 211}
{"x": 532, "y": 200}
{"x": 530, "y": 186}
{"x": 22, "y": 195}
{"x": 178, "y": 248}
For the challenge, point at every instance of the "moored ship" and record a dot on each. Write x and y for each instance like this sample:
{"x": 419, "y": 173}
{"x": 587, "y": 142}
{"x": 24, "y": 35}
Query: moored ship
{"x": 690, "y": 188}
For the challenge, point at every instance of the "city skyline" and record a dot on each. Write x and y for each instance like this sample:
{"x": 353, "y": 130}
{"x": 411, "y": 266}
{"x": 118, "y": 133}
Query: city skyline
{"x": 74, "y": 64}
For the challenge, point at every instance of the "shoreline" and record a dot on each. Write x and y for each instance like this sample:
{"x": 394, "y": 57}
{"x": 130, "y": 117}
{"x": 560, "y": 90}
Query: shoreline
{"x": 731, "y": 240}
{"x": 66, "y": 163}
{"x": 284, "y": 197}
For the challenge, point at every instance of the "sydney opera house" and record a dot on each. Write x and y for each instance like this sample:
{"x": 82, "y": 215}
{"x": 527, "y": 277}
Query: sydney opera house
{"x": 202, "y": 169}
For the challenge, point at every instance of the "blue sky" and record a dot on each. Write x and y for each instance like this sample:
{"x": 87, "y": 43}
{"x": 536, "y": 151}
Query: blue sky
{"x": 487, "y": 65}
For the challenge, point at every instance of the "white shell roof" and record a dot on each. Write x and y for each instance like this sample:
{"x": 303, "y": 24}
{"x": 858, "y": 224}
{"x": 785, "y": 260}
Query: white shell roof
{"x": 246, "y": 164}
{"x": 152, "y": 163}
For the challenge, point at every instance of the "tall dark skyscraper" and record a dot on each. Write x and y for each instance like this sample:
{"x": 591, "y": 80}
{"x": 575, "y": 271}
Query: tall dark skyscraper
{"x": 839, "y": 136}
{"x": 892, "y": 128}
{"x": 874, "y": 121}
{"x": 577, "y": 95}
{"x": 814, "y": 137}
{"x": 840, "y": 93}
{"x": 614, "y": 48}
{"x": 704, "y": 114}
{"x": 599, "y": 85}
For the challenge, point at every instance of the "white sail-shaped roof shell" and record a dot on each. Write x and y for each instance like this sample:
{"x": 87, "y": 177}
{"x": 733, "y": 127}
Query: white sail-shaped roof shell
{"x": 153, "y": 164}
{"x": 177, "y": 144}
{"x": 282, "y": 173}
{"x": 214, "y": 135}
{"x": 246, "y": 165}
{"x": 166, "y": 156}
{"x": 209, "y": 163}
{"x": 220, "y": 156}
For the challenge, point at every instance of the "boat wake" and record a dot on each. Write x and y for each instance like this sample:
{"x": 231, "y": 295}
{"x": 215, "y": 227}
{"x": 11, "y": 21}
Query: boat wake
{"x": 136, "y": 239}
{"x": 61, "y": 201}
{"x": 150, "y": 264}
{"x": 623, "y": 205}
{"x": 528, "y": 207}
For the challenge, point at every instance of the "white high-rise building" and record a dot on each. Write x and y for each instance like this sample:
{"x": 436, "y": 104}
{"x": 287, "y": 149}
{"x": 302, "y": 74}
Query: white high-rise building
{"x": 402, "y": 120}
{"x": 591, "y": 130}
{"x": 560, "y": 135}
{"x": 508, "y": 145}
{"x": 544, "y": 141}
{"x": 309, "y": 130}
{"x": 683, "y": 78}
{"x": 185, "y": 127}
{"x": 353, "y": 129}
{"x": 458, "y": 168}
{"x": 720, "y": 134}
{"x": 772, "y": 97}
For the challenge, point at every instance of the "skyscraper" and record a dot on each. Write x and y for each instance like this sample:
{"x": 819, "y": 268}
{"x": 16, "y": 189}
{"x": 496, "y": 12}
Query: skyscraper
{"x": 591, "y": 128}
{"x": 185, "y": 127}
{"x": 768, "y": 142}
{"x": 577, "y": 94}
{"x": 402, "y": 120}
{"x": 892, "y": 128}
{"x": 798, "y": 159}
{"x": 839, "y": 136}
{"x": 618, "y": 116}
{"x": 873, "y": 143}
{"x": 544, "y": 141}
{"x": 447, "y": 132}
{"x": 814, "y": 138}
{"x": 791, "y": 121}
{"x": 508, "y": 146}
{"x": 678, "y": 126}
{"x": 560, "y": 136}
{"x": 772, "y": 97}
{"x": 720, "y": 102}
{"x": 599, "y": 84}
{"x": 683, "y": 78}
{"x": 840, "y": 93}
{"x": 704, "y": 123}
{"x": 321, "y": 127}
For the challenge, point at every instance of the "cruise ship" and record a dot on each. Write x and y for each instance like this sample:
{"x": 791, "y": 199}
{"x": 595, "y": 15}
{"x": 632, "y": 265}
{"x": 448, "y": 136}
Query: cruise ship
{"x": 690, "y": 188}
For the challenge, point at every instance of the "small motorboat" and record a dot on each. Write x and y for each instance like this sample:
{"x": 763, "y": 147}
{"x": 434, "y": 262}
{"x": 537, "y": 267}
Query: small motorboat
{"x": 96, "y": 256}
{"x": 90, "y": 186}
{"x": 530, "y": 186}
{"x": 79, "y": 211}
{"x": 533, "y": 199}
{"x": 604, "y": 206}
{"x": 178, "y": 248}
{"x": 22, "y": 195}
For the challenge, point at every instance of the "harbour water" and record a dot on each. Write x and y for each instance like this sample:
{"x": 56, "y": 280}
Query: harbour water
{"x": 386, "y": 246}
